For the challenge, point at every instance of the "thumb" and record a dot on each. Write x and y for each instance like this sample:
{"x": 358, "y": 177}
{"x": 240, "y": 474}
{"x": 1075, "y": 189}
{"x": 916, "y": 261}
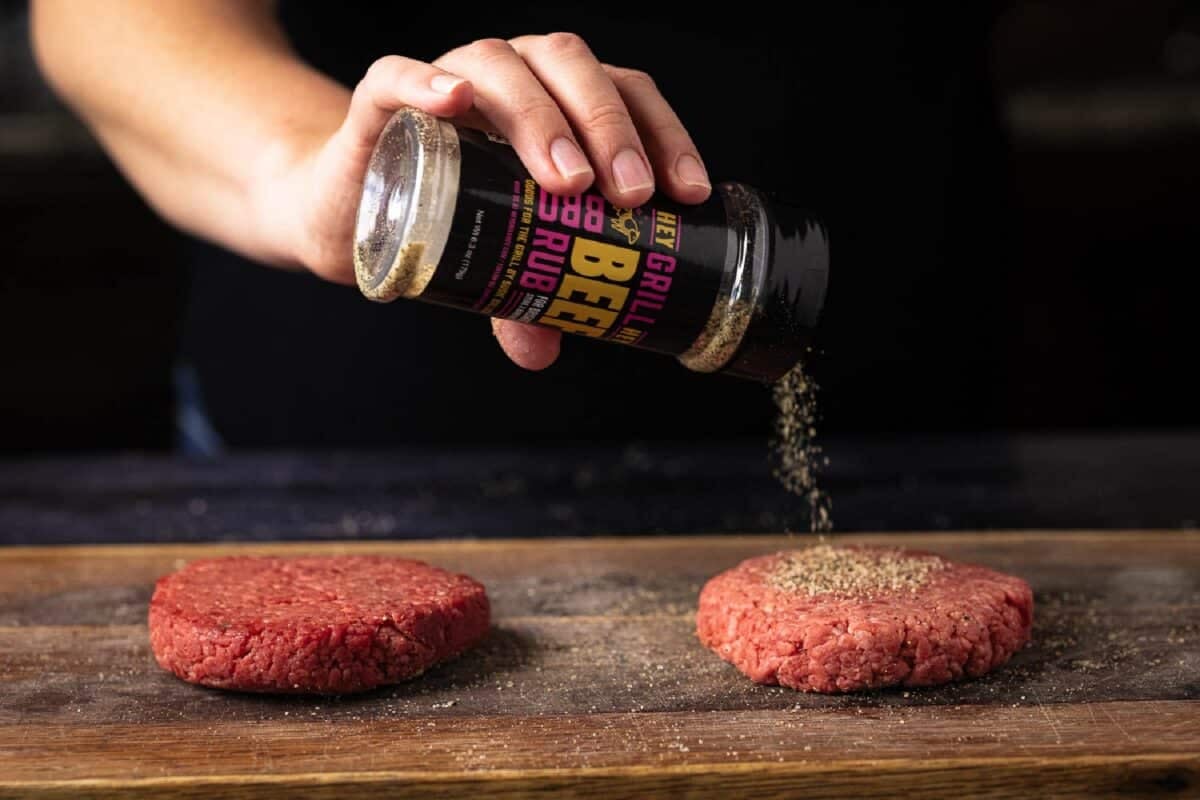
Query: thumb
{"x": 529, "y": 346}
{"x": 396, "y": 81}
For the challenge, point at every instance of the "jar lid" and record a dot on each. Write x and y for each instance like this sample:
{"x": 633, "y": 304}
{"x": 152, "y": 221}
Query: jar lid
{"x": 407, "y": 203}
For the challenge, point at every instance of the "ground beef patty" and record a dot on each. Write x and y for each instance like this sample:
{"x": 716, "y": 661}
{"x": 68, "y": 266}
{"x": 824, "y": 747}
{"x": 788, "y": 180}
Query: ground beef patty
{"x": 320, "y": 624}
{"x": 842, "y": 619}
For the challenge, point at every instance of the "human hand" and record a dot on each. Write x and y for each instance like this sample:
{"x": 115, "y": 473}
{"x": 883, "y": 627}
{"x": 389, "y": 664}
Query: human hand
{"x": 572, "y": 120}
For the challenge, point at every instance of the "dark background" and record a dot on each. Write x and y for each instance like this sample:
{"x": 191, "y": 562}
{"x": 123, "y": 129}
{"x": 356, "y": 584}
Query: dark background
{"x": 1043, "y": 160}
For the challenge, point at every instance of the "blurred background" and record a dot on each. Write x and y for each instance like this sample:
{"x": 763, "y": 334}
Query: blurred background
{"x": 1092, "y": 249}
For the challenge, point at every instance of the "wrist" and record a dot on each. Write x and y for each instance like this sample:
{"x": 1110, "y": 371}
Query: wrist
{"x": 276, "y": 190}
{"x": 298, "y": 191}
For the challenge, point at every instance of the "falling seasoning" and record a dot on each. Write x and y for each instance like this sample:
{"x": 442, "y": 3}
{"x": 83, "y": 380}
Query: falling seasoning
{"x": 733, "y": 285}
{"x": 796, "y": 456}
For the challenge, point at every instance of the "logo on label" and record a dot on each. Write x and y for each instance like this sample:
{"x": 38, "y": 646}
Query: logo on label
{"x": 625, "y": 224}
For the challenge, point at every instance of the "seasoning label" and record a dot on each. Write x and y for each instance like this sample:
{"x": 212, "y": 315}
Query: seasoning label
{"x": 640, "y": 276}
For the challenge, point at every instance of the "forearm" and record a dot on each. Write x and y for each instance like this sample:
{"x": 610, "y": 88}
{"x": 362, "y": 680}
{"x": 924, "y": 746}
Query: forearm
{"x": 201, "y": 102}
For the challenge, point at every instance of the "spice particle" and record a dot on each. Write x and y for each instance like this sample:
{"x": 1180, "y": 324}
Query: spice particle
{"x": 851, "y": 571}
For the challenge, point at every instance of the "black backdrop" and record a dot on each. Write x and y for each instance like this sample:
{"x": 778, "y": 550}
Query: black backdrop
{"x": 877, "y": 118}
{"x": 982, "y": 277}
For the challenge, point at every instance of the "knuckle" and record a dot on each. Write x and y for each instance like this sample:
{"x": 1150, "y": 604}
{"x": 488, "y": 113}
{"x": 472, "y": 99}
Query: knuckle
{"x": 635, "y": 77}
{"x": 606, "y": 116}
{"x": 564, "y": 43}
{"x": 489, "y": 49}
{"x": 384, "y": 70}
{"x": 539, "y": 111}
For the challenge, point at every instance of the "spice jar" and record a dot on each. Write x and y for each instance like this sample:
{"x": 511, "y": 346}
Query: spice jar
{"x": 449, "y": 215}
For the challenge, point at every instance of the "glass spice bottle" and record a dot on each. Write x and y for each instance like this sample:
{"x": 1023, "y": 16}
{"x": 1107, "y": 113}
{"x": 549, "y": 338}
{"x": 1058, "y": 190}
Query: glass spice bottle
{"x": 449, "y": 215}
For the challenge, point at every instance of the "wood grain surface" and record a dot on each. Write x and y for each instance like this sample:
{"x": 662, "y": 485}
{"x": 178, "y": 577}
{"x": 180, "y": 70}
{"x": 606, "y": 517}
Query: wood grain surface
{"x": 592, "y": 684}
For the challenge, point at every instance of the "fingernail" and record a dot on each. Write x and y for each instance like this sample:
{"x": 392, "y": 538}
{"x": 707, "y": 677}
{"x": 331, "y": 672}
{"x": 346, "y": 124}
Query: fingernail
{"x": 445, "y": 84}
{"x": 568, "y": 159}
{"x": 630, "y": 171}
{"x": 691, "y": 172}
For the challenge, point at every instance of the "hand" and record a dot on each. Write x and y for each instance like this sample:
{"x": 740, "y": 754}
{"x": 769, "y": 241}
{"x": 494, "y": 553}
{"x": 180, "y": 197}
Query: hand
{"x": 573, "y": 121}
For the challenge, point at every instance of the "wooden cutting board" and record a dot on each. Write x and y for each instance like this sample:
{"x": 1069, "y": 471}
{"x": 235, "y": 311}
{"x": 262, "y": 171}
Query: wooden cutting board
{"x": 592, "y": 684}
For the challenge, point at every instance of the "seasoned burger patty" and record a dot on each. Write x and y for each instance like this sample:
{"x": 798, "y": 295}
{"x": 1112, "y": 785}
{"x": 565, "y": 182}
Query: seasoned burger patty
{"x": 317, "y": 624}
{"x": 843, "y": 619}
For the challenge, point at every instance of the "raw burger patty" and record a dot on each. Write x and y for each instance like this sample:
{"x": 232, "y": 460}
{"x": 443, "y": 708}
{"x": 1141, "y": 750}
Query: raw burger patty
{"x": 834, "y": 619}
{"x": 321, "y": 624}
